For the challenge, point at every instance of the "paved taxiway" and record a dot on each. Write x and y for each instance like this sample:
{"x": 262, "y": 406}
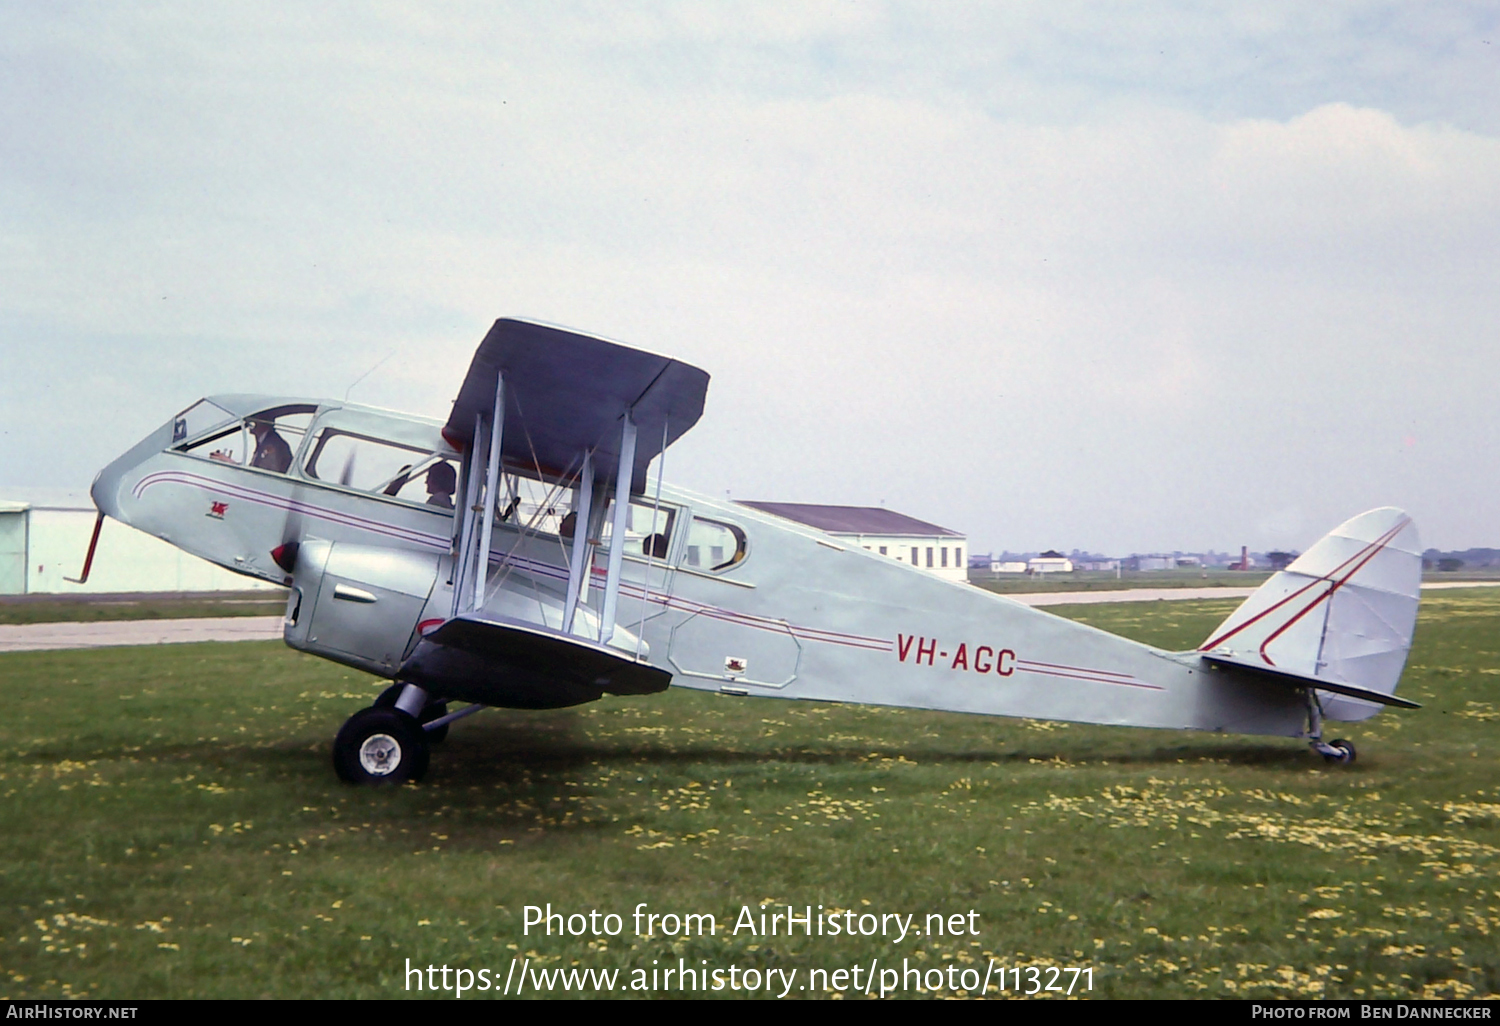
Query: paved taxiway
{"x": 35, "y": 637}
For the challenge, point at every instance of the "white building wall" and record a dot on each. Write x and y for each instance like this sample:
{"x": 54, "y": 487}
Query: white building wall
{"x": 13, "y": 523}
{"x": 126, "y": 560}
{"x": 944, "y": 549}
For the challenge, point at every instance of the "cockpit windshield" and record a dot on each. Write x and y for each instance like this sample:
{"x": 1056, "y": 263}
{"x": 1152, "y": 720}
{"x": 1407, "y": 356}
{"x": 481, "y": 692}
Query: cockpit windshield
{"x": 198, "y": 418}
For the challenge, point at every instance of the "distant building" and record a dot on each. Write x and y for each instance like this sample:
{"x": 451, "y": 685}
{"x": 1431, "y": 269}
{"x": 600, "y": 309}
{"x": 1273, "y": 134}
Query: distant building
{"x": 1050, "y": 565}
{"x": 896, "y": 535}
{"x": 1097, "y": 564}
{"x": 1009, "y": 567}
{"x": 41, "y": 545}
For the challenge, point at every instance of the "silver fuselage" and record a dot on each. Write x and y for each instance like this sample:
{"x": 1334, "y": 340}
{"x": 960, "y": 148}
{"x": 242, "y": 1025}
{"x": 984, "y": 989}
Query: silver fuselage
{"x": 800, "y": 615}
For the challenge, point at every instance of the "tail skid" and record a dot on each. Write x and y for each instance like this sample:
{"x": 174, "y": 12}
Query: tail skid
{"x": 1338, "y": 621}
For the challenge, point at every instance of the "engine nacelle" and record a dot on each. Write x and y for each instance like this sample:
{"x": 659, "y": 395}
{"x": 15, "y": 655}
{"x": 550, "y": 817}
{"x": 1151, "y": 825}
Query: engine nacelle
{"x": 358, "y": 604}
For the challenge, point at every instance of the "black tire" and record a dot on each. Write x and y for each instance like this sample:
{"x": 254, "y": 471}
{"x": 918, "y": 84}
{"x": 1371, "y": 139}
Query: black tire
{"x": 380, "y": 746}
{"x": 1346, "y": 747}
{"x": 435, "y": 709}
{"x": 387, "y": 698}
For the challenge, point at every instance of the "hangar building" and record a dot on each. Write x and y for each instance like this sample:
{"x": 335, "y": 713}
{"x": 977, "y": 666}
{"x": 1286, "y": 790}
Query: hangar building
{"x": 42, "y": 543}
{"x": 902, "y": 538}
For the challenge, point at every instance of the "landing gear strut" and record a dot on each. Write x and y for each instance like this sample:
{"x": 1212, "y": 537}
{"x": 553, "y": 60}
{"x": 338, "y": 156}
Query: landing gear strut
{"x": 1336, "y": 751}
{"x": 432, "y": 710}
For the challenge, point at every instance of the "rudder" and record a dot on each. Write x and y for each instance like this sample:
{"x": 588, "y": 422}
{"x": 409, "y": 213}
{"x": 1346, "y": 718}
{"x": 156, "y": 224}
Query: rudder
{"x": 1342, "y": 613}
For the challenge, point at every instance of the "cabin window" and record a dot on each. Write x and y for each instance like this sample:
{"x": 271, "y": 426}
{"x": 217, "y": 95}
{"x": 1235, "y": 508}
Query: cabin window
{"x": 648, "y": 530}
{"x": 713, "y": 546}
{"x": 383, "y": 468}
{"x": 535, "y": 506}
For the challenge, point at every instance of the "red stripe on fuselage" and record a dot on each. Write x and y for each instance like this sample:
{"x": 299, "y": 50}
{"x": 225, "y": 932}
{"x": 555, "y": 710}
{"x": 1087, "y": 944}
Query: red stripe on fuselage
{"x": 1371, "y": 548}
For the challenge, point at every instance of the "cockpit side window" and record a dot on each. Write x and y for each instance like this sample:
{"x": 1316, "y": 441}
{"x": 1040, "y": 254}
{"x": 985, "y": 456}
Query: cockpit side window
{"x": 226, "y": 445}
{"x": 383, "y": 468}
{"x": 277, "y": 434}
{"x": 265, "y": 441}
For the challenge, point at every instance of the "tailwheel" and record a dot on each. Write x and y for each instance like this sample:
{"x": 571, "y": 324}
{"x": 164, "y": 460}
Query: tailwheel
{"x": 1336, "y": 751}
{"x": 380, "y": 746}
{"x": 1343, "y": 751}
{"x": 433, "y": 710}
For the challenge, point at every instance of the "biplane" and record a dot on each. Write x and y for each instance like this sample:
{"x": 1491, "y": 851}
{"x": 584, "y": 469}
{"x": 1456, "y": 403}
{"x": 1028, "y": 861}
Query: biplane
{"x": 520, "y": 555}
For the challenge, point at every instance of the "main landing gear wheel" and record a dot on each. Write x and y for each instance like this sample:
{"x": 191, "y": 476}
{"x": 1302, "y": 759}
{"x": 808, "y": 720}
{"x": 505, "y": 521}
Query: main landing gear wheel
{"x": 1345, "y": 752}
{"x": 380, "y": 746}
{"x": 432, "y": 711}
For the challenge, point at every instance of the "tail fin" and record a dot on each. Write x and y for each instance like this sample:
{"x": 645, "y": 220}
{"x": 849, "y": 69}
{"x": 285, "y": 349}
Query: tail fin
{"x": 1342, "y": 616}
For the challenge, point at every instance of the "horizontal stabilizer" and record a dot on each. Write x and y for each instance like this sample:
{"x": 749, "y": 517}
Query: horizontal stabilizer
{"x": 1340, "y": 618}
{"x": 565, "y": 395}
{"x": 1293, "y": 680}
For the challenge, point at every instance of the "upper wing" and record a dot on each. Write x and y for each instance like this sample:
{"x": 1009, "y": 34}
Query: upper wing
{"x": 566, "y": 393}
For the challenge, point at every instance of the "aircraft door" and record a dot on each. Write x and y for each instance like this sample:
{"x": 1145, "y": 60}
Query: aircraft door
{"x": 359, "y": 604}
{"x": 718, "y": 643}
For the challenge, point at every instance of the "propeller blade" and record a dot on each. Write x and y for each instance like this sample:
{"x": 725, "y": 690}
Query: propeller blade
{"x": 285, "y": 554}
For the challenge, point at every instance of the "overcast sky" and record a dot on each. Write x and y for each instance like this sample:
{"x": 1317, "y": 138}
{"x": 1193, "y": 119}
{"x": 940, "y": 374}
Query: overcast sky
{"x": 1114, "y": 277}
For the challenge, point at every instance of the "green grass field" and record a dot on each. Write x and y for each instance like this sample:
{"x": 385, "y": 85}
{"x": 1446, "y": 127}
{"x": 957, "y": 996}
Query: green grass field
{"x": 170, "y": 826}
{"x": 87, "y": 608}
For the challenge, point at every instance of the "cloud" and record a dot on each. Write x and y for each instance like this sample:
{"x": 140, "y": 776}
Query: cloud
{"x": 1138, "y": 316}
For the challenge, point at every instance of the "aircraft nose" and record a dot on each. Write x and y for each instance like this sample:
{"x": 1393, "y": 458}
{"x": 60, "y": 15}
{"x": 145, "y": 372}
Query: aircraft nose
{"x": 103, "y": 500}
{"x": 110, "y": 490}
{"x": 107, "y": 488}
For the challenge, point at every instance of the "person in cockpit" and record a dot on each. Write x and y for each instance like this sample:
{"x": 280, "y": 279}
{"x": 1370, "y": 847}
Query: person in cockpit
{"x": 271, "y": 451}
{"x": 441, "y": 484}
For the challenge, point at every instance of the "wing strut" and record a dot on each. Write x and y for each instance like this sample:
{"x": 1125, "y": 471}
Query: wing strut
{"x": 617, "y": 539}
{"x": 491, "y": 491}
{"x": 472, "y": 562}
{"x": 474, "y": 537}
{"x": 464, "y": 557}
{"x": 579, "y": 563}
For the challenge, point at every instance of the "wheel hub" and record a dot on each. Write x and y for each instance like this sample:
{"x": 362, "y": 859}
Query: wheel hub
{"x": 379, "y": 755}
